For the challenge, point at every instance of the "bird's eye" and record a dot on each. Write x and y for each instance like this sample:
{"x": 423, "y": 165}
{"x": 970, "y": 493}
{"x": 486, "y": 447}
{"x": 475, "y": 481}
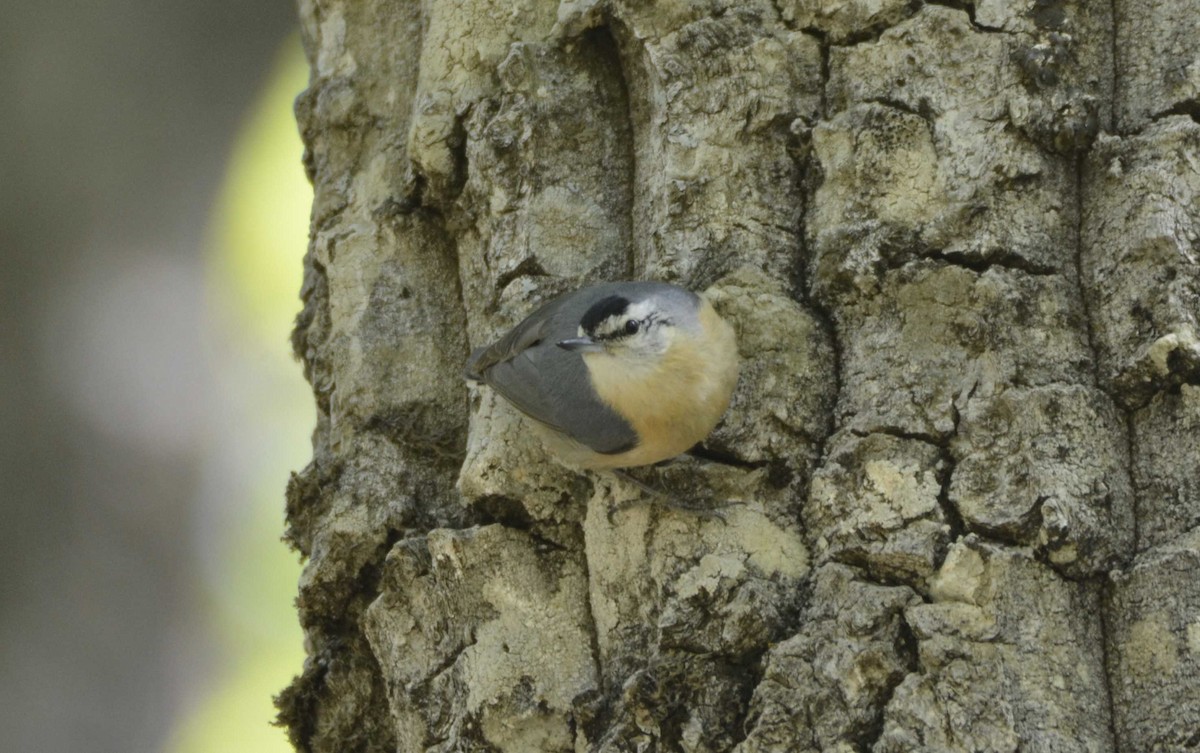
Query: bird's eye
{"x": 632, "y": 326}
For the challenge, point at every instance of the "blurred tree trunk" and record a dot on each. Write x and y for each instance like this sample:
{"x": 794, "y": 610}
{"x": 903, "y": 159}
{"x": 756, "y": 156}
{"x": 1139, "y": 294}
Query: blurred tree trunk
{"x": 959, "y": 244}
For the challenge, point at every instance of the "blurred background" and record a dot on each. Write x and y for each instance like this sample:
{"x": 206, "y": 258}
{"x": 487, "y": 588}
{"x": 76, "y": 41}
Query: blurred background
{"x": 153, "y": 216}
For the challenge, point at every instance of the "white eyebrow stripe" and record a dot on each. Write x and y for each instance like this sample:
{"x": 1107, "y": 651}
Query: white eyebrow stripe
{"x": 615, "y": 324}
{"x": 639, "y": 310}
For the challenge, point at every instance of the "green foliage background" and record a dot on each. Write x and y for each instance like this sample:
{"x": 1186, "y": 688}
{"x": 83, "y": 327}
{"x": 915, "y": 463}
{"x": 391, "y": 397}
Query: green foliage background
{"x": 258, "y": 238}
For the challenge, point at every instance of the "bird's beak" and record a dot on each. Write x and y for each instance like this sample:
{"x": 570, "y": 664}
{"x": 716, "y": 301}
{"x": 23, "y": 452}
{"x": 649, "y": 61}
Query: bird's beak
{"x": 581, "y": 345}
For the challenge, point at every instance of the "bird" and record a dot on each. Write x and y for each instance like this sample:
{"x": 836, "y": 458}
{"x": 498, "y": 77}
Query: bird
{"x": 616, "y": 375}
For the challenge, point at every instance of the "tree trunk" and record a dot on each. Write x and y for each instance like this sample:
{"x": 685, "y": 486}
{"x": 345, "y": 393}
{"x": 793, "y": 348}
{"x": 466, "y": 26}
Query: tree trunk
{"x": 960, "y": 473}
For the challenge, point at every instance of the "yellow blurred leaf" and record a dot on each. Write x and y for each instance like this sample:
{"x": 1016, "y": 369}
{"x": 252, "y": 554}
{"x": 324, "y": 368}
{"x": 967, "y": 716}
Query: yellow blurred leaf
{"x": 261, "y": 216}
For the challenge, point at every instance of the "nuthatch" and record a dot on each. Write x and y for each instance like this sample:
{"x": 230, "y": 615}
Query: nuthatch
{"x": 617, "y": 375}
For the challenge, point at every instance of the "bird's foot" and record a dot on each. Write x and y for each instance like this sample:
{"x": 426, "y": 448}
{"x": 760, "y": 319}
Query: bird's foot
{"x": 667, "y": 500}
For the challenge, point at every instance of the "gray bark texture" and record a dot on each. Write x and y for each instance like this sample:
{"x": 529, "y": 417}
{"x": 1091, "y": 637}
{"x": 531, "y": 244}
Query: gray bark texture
{"x": 961, "y": 471}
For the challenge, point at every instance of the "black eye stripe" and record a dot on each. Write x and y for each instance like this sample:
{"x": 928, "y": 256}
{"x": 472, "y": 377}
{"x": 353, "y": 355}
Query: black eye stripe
{"x": 616, "y": 326}
{"x": 617, "y": 330}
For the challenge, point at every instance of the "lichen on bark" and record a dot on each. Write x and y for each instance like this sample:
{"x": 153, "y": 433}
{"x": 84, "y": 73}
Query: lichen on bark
{"x": 958, "y": 244}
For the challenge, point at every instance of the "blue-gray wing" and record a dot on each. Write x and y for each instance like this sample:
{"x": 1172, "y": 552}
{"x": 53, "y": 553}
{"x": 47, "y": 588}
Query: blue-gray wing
{"x": 548, "y": 383}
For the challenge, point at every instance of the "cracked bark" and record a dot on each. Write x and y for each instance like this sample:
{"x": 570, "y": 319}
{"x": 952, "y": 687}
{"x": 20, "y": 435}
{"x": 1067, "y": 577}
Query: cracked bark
{"x": 958, "y": 243}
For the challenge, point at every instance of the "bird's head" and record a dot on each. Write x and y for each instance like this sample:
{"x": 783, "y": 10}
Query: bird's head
{"x": 638, "y": 331}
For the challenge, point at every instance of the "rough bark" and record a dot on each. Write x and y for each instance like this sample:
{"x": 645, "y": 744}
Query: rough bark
{"x": 959, "y": 245}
